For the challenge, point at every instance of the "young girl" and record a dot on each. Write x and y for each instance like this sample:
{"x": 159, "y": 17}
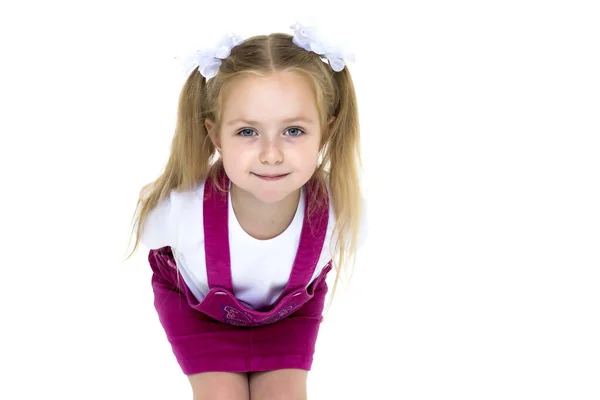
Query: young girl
{"x": 259, "y": 199}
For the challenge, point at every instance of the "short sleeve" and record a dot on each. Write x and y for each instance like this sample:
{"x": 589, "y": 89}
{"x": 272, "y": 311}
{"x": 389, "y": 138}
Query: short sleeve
{"x": 160, "y": 227}
{"x": 364, "y": 226}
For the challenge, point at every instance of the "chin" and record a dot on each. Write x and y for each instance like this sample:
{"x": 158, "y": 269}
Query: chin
{"x": 270, "y": 196}
{"x": 267, "y": 192}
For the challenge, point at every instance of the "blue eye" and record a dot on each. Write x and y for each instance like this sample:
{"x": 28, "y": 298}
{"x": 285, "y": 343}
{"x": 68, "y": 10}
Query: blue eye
{"x": 297, "y": 131}
{"x": 244, "y": 132}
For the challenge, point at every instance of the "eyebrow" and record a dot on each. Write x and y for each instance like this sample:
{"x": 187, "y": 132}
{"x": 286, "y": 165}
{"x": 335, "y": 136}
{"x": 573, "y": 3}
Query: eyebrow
{"x": 285, "y": 121}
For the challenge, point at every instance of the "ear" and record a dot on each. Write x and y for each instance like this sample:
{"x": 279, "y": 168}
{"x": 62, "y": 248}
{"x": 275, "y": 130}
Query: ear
{"x": 214, "y": 136}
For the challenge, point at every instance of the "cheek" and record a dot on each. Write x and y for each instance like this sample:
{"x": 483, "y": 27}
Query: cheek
{"x": 306, "y": 157}
{"x": 231, "y": 149}
{"x": 311, "y": 150}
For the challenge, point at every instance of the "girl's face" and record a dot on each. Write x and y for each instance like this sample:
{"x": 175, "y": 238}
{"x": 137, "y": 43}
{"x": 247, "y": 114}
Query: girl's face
{"x": 270, "y": 134}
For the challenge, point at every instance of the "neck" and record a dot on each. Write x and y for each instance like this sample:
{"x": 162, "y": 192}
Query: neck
{"x": 261, "y": 220}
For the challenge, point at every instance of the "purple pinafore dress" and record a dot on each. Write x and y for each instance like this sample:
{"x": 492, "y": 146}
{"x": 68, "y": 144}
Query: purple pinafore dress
{"x": 221, "y": 333}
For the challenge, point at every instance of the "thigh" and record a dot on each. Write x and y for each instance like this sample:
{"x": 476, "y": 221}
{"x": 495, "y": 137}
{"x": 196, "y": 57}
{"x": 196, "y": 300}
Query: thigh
{"x": 220, "y": 386}
{"x": 278, "y": 384}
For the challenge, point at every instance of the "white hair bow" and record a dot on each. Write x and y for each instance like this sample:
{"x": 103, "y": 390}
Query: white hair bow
{"x": 306, "y": 36}
{"x": 208, "y": 61}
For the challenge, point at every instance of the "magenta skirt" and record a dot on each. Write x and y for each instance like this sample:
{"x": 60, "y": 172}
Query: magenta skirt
{"x": 203, "y": 344}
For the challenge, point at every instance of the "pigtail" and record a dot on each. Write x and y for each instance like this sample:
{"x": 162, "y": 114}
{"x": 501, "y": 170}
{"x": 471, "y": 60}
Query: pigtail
{"x": 343, "y": 154}
{"x": 191, "y": 138}
{"x": 191, "y": 152}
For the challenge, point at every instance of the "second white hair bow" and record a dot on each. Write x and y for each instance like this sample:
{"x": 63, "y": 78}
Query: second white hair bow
{"x": 307, "y": 37}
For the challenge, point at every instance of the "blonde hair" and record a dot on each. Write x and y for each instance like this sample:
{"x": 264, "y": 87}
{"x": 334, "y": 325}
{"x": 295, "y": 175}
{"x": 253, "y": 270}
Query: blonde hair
{"x": 193, "y": 156}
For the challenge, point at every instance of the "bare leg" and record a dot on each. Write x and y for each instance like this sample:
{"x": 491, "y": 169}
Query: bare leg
{"x": 220, "y": 386}
{"x": 288, "y": 384}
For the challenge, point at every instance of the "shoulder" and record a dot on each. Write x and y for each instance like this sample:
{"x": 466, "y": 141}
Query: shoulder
{"x": 363, "y": 225}
{"x": 179, "y": 203}
{"x": 169, "y": 220}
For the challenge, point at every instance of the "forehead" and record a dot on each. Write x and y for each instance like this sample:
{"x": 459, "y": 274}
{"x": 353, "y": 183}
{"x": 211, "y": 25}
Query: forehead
{"x": 271, "y": 98}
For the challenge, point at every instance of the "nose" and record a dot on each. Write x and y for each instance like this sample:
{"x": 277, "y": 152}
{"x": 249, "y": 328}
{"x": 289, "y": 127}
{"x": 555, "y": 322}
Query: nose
{"x": 271, "y": 152}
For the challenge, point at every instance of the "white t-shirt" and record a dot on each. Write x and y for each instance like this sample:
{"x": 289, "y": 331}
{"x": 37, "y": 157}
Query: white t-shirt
{"x": 260, "y": 269}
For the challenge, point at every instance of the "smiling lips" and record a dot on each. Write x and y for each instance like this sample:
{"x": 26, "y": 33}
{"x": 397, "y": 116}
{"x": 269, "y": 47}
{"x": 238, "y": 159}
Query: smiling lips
{"x": 271, "y": 177}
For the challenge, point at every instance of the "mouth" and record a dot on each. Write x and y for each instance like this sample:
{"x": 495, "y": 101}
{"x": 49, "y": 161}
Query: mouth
{"x": 271, "y": 177}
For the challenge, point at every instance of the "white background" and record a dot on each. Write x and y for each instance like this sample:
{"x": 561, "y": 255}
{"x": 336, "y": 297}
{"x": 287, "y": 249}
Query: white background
{"x": 480, "y": 127}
